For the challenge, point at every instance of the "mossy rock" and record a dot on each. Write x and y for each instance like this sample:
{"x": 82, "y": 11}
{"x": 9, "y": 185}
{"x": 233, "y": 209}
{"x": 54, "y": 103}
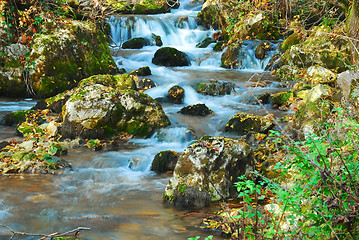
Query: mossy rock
{"x": 95, "y": 111}
{"x": 62, "y": 56}
{"x": 292, "y": 40}
{"x": 118, "y": 82}
{"x": 206, "y": 170}
{"x": 243, "y": 124}
{"x": 320, "y": 49}
{"x": 16, "y": 117}
{"x": 262, "y": 49}
{"x": 208, "y": 17}
{"x": 218, "y": 46}
{"x": 170, "y": 57}
{"x": 205, "y": 43}
{"x": 281, "y": 98}
{"x": 136, "y": 43}
{"x": 140, "y": 7}
{"x": 164, "y": 161}
{"x": 229, "y": 58}
{"x": 214, "y": 87}
{"x": 196, "y": 110}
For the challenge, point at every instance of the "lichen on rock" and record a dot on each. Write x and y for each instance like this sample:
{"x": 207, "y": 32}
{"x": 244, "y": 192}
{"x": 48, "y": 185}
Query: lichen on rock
{"x": 206, "y": 170}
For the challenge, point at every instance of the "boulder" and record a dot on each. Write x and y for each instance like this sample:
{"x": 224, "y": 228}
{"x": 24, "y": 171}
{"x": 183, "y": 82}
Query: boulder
{"x": 320, "y": 49}
{"x": 118, "y": 82}
{"x": 63, "y": 55}
{"x": 262, "y": 49}
{"x": 143, "y": 71}
{"x": 281, "y": 98}
{"x": 214, "y": 87}
{"x": 205, "y": 43}
{"x": 97, "y": 111}
{"x": 135, "y": 43}
{"x": 229, "y": 58}
{"x": 208, "y": 17}
{"x": 290, "y": 41}
{"x": 170, "y": 57}
{"x": 348, "y": 82}
{"x": 196, "y": 110}
{"x": 243, "y": 123}
{"x": 175, "y": 94}
{"x": 164, "y": 161}
{"x": 206, "y": 171}
{"x": 14, "y": 118}
{"x": 314, "y": 110}
{"x": 319, "y": 74}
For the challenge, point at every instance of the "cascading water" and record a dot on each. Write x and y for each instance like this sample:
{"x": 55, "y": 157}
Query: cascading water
{"x": 115, "y": 193}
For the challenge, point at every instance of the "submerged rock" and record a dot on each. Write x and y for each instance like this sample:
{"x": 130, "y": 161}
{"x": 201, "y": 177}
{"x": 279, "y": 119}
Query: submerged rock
{"x": 206, "y": 170}
{"x": 175, "y": 94}
{"x": 243, "y": 123}
{"x": 196, "y": 110}
{"x": 170, "y": 57}
{"x": 135, "y": 43}
{"x": 214, "y": 87}
{"x": 97, "y": 111}
{"x": 164, "y": 161}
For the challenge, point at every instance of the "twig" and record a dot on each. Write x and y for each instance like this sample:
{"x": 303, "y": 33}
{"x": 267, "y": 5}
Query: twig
{"x": 75, "y": 231}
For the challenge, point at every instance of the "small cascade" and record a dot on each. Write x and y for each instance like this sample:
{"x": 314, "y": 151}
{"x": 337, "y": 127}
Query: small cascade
{"x": 248, "y": 60}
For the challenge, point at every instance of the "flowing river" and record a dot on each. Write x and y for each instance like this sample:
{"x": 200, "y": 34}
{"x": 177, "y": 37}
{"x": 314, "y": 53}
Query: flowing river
{"x": 102, "y": 192}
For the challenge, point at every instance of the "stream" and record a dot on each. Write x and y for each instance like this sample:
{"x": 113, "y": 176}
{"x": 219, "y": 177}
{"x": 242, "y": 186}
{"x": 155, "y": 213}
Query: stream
{"x": 102, "y": 192}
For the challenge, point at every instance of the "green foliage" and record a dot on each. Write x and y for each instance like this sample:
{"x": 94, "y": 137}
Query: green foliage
{"x": 198, "y": 237}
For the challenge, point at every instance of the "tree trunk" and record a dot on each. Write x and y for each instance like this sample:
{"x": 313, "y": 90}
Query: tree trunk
{"x": 353, "y": 30}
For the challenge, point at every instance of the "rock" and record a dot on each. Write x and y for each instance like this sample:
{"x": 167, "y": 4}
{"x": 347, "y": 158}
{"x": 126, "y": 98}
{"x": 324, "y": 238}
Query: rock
{"x": 52, "y": 130}
{"x": 170, "y": 57}
{"x": 118, "y": 82}
{"x": 164, "y": 161}
{"x": 196, "y": 110}
{"x": 264, "y": 98}
{"x": 156, "y": 40}
{"x": 214, "y": 87}
{"x": 314, "y": 110}
{"x": 346, "y": 81}
{"x": 205, "y": 43}
{"x": 144, "y": 84}
{"x": 274, "y": 63}
{"x": 243, "y": 123}
{"x": 141, "y": 7}
{"x": 218, "y": 36}
{"x": 287, "y": 72}
{"x": 281, "y": 98}
{"x": 320, "y": 49}
{"x": 218, "y": 47}
{"x": 181, "y": 22}
{"x": 63, "y": 55}
{"x": 97, "y": 111}
{"x": 3, "y": 144}
{"x": 229, "y": 58}
{"x": 208, "y": 17}
{"x": 292, "y": 40}
{"x": 175, "y": 94}
{"x": 318, "y": 74}
{"x": 262, "y": 49}
{"x": 135, "y": 43}
{"x": 14, "y": 118}
{"x": 143, "y": 71}
{"x": 206, "y": 170}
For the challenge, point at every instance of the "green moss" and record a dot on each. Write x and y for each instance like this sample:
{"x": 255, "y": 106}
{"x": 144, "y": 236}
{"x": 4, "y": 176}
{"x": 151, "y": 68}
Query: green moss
{"x": 281, "y": 98}
{"x": 292, "y": 40}
{"x": 181, "y": 188}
